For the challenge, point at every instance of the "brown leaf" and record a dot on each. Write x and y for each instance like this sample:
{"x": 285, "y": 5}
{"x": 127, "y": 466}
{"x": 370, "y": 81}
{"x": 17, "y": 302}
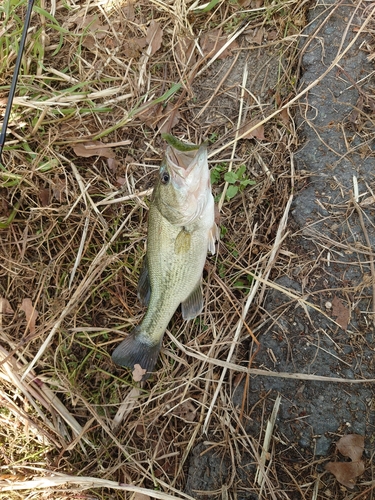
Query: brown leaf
{"x": 140, "y": 430}
{"x": 352, "y": 446}
{"x": 184, "y": 51}
{"x": 44, "y": 195}
{"x": 258, "y": 132}
{"x": 212, "y": 42}
{"x": 272, "y": 35}
{"x": 112, "y": 164}
{"x": 134, "y": 46}
{"x": 259, "y": 35}
{"x": 154, "y": 37}
{"x": 355, "y": 114}
{"x": 138, "y": 373}
{"x": 370, "y": 200}
{"x": 341, "y": 312}
{"x": 59, "y": 188}
{"x": 5, "y": 307}
{"x": 150, "y": 113}
{"x": 346, "y": 472}
{"x": 86, "y": 149}
{"x": 92, "y": 22}
{"x": 128, "y": 11}
{"x": 31, "y": 314}
{"x": 120, "y": 181}
{"x": 186, "y": 411}
{"x": 89, "y": 42}
{"x": 141, "y": 496}
{"x": 284, "y": 116}
{"x": 171, "y": 121}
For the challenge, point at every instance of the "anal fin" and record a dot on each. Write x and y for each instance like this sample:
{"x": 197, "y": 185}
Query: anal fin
{"x": 193, "y": 305}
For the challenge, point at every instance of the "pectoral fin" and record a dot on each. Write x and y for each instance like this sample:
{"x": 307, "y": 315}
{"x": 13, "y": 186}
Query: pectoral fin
{"x": 213, "y": 237}
{"x": 193, "y": 305}
{"x": 183, "y": 241}
{"x": 144, "y": 287}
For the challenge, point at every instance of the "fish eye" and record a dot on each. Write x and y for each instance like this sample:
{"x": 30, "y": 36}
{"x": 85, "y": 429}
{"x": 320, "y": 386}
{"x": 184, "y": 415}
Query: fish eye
{"x": 164, "y": 177}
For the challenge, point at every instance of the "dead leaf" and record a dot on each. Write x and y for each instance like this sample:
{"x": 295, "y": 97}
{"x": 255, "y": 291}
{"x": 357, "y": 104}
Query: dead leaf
{"x": 150, "y": 114}
{"x": 370, "y": 200}
{"x": 154, "y": 37}
{"x": 92, "y": 22}
{"x": 31, "y": 314}
{"x": 126, "y": 407}
{"x": 355, "y": 114}
{"x": 155, "y": 114}
{"x": 341, "y": 312}
{"x": 138, "y": 373}
{"x": 171, "y": 121}
{"x": 141, "y": 496}
{"x": 86, "y": 149}
{"x": 272, "y": 35}
{"x": 184, "y": 51}
{"x": 186, "y": 411}
{"x": 257, "y": 133}
{"x": 112, "y": 165}
{"x": 5, "y": 307}
{"x": 284, "y": 116}
{"x": 89, "y": 42}
{"x": 128, "y": 11}
{"x": 212, "y": 42}
{"x": 44, "y": 195}
{"x": 258, "y": 36}
{"x": 133, "y": 46}
{"x": 120, "y": 181}
{"x": 140, "y": 430}
{"x": 346, "y": 472}
{"x": 59, "y": 188}
{"x": 352, "y": 446}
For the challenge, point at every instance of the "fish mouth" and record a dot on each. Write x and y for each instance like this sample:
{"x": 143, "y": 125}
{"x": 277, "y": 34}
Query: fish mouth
{"x": 190, "y": 178}
{"x": 183, "y": 163}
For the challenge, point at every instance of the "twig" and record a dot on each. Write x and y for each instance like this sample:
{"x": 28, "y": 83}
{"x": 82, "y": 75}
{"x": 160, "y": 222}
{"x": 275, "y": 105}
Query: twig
{"x": 264, "y": 373}
{"x": 244, "y": 80}
{"x": 371, "y": 258}
{"x": 84, "y": 483}
{"x": 259, "y": 477}
{"x": 128, "y": 197}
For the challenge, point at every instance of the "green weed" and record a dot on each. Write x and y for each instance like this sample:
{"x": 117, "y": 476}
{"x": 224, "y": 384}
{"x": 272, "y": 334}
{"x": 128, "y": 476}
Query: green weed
{"x": 237, "y": 181}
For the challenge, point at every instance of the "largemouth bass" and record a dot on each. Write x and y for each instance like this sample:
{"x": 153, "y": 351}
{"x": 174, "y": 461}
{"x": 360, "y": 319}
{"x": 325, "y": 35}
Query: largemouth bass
{"x": 181, "y": 228}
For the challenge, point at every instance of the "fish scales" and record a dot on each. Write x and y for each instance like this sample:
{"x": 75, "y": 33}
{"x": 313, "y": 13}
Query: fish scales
{"x": 172, "y": 275}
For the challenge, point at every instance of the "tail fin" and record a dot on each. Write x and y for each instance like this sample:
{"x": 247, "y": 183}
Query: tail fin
{"x": 137, "y": 349}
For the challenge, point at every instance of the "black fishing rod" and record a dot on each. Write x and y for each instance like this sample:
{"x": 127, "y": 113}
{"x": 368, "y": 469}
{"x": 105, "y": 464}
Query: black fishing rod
{"x": 15, "y": 77}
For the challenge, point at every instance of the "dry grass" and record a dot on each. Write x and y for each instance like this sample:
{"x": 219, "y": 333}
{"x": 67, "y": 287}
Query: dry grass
{"x": 73, "y": 237}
